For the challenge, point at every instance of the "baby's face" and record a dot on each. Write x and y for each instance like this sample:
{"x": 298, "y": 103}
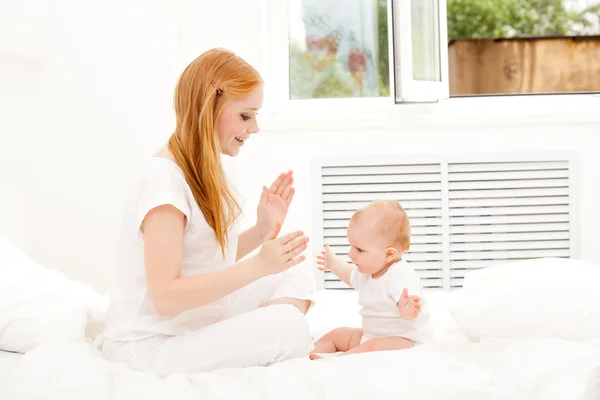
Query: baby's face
{"x": 367, "y": 249}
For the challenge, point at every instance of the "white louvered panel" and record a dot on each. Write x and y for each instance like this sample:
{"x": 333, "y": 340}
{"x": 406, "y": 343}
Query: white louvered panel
{"x": 492, "y": 209}
{"x": 507, "y": 211}
{"x": 417, "y": 187}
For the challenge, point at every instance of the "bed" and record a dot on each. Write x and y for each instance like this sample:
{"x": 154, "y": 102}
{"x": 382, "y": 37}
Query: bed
{"x": 531, "y": 358}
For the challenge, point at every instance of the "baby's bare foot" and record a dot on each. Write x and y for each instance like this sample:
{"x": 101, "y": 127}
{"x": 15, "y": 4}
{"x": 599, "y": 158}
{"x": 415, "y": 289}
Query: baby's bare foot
{"x": 314, "y": 356}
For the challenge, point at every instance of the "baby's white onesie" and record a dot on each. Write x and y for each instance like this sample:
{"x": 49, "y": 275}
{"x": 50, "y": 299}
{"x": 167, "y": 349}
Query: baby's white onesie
{"x": 379, "y": 297}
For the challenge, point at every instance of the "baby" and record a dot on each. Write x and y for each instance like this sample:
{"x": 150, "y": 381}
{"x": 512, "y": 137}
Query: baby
{"x": 394, "y": 314}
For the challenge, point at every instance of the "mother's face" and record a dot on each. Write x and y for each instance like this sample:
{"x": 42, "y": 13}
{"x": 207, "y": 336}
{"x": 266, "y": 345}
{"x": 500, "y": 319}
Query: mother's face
{"x": 238, "y": 121}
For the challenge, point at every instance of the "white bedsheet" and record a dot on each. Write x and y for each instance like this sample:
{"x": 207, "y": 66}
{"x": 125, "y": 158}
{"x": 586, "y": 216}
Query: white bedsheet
{"x": 450, "y": 368}
{"x": 534, "y": 369}
{"x": 8, "y": 363}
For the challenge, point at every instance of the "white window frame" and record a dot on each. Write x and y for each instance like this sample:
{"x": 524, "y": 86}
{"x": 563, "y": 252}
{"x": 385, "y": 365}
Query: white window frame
{"x": 282, "y": 114}
{"x": 408, "y": 89}
{"x": 403, "y": 88}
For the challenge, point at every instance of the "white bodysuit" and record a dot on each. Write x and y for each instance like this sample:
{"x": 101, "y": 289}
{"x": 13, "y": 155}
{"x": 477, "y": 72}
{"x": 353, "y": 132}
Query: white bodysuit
{"x": 379, "y": 297}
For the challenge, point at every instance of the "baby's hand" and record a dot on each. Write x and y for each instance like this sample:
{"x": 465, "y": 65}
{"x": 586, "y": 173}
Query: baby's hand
{"x": 326, "y": 258}
{"x": 409, "y": 306}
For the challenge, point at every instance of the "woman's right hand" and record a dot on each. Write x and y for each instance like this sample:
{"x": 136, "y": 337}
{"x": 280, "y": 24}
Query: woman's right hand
{"x": 279, "y": 254}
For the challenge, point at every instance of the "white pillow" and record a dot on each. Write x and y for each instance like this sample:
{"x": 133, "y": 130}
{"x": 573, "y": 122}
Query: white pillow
{"x": 38, "y": 304}
{"x": 540, "y": 297}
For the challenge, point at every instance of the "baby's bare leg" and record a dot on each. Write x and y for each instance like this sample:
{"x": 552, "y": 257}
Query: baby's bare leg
{"x": 340, "y": 339}
{"x": 382, "y": 343}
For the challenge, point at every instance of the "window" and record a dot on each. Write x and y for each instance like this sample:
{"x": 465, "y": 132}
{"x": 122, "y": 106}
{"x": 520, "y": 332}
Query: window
{"x": 370, "y": 52}
{"x": 338, "y": 49}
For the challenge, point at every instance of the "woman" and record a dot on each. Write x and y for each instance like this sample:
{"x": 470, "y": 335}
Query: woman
{"x": 183, "y": 298}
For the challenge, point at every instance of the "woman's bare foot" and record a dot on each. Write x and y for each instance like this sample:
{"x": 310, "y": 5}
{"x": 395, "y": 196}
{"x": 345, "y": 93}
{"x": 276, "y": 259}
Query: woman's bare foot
{"x": 314, "y": 356}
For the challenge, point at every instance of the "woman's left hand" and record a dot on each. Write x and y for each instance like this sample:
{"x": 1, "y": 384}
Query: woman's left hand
{"x": 275, "y": 202}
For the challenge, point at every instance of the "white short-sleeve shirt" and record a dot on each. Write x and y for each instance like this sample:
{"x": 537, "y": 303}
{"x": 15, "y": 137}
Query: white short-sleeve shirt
{"x": 131, "y": 314}
{"x": 378, "y": 298}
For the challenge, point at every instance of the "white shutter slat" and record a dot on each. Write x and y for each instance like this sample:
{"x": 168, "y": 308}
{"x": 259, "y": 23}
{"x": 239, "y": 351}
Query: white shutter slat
{"x": 508, "y": 175}
{"x": 346, "y": 215}
{"x": 510, "y": 219}
{"x": 501, "y": 193}
{"x": 507, "y": 166}
{"x": 356, "y": 205}
{"x": 478, "y": 264}
{"x": 512, "y": 228}
{"x": 508, "y": 254}
{"x": 414, "y": 222}
{"x": 414, "y": 239}
{"x": 510, "y": 237}
{"x": 404, "y": 169}
{"x": 531, "y": 210}
{"x": 516, "y": 184}
{"x": 368, "y": 179}
{"x": 414, "y": 248}
{"x": 417, "y": 231}
{"x": 369, "y": 196}
{"x": 411, "y": 257}
{"x": 529, "y": 245}
{"x": 509, "y": 201}
{"x": 382, "y": 188}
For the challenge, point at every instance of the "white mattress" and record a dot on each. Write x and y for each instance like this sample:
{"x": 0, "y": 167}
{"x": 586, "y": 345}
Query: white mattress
{"x": 450, "y": 368}
{"x": 8, "y": 363}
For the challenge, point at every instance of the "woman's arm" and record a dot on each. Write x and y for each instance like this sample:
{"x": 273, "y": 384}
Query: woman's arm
{"x": 172, "y": 293}
{"x": 248, "y": 241}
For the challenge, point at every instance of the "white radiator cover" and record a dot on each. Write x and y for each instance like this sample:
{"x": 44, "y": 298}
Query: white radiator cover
{"x": 467, "y": 211}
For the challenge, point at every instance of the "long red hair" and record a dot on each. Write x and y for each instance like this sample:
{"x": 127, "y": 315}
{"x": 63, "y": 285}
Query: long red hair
{"x": 204, "y": 88}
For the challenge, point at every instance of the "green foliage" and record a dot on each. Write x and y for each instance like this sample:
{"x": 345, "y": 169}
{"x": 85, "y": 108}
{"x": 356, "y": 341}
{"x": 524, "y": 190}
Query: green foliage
{"x": 514, "y": 18}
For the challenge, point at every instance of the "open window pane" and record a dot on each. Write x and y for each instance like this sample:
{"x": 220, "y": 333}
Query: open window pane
{"x": 338, "y": 49}
{"x": 523, "y": 46}
{"x": 425, "y": 40}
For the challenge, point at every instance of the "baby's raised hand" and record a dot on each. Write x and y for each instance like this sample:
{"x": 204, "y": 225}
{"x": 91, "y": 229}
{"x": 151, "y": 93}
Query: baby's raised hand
{"x": 409, "y": 306}
{"x": 326, "y": 258}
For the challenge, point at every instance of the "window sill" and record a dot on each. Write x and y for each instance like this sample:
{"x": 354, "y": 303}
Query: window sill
{"x": 564, "y": 109}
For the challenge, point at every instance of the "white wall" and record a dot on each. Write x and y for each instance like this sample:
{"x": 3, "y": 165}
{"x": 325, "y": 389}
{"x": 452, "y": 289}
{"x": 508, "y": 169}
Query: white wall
{"x": 86, "y": 93}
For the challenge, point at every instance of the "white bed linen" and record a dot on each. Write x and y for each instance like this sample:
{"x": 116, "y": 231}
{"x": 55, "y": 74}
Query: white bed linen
{"x": 8, "y": 363}
{"x": 450, "y": 368}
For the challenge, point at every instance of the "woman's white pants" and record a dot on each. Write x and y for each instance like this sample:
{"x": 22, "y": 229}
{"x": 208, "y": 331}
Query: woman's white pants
{"x": 249, "y": 335}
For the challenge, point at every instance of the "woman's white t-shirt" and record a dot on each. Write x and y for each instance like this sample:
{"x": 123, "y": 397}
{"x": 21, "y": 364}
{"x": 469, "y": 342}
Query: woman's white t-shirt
{"x": 131, "y": 315}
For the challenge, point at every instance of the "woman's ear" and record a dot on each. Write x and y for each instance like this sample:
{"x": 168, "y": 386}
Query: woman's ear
{"x": 390, "y": 254}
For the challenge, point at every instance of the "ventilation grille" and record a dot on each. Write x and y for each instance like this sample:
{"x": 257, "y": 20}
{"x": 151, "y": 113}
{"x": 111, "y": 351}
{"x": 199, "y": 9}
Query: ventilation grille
{"x": 465, "y": 214}
{"x": 506, "y": 211}
{"x": 417, "y": 187}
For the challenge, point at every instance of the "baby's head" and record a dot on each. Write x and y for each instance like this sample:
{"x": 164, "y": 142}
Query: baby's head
{"x": 379, "y": 234}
